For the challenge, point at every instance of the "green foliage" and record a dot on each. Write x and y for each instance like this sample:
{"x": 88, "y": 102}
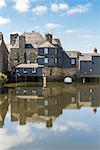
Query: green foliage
{"x": 3, "y": 77}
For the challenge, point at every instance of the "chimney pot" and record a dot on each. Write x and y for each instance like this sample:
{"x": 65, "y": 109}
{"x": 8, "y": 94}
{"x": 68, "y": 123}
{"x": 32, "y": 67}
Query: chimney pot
{"x": 49, "y": 37}
{"x": 95, "y": 50}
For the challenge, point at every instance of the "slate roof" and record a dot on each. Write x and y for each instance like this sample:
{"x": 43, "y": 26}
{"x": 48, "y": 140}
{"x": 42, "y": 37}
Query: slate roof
{"x": 87, "y": 56}
{"x": 35, "y": 38}
{"x": 47, "y": 45}
{"x": 56, "y": 41}
{"x": 72, "y": 54}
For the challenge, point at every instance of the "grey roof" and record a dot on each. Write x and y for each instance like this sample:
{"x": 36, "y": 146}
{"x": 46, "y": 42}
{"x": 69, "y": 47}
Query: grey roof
{"x": 87, "y": 56}
{"x": 47, "y": 45}
{"x": 35, "y": 38}
{"x": 56, "y": 41}
{"x": 72, "y": 54}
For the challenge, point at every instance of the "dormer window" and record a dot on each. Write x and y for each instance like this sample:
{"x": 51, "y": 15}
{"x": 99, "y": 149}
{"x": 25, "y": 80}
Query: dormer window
{"x": 45, "y": 50}
{"x": 73, "y": 61}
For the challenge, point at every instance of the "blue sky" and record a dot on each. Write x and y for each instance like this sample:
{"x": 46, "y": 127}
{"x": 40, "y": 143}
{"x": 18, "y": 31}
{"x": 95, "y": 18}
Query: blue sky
{"x": 75, "y": 22}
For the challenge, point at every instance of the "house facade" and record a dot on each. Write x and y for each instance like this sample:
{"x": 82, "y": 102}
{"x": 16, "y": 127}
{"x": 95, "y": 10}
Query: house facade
{"x": 3, "y": 55}
{"x": 89, "y": 65}
{"x": 24, "y": 47}
{"x": 29, "y": 50}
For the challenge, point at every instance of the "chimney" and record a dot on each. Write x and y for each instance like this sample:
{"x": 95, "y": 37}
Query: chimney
{"x": 49, "y": 37}
{"x": 1, "y": 36}
{"x": 13, "y": 37}
{"x": 95, "y": 50}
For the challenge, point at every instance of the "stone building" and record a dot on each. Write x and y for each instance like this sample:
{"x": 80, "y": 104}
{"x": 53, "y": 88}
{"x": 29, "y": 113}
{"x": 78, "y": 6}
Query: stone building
{"x": 32, "y": 48}
{"x": 3, "y": 55}
{"x": 24, "y": 47}
{"x": 89, "y": 65}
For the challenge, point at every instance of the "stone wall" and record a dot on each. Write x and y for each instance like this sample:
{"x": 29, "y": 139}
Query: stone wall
{"x": 3, "y": 55}
{"x": 59, "y": 74}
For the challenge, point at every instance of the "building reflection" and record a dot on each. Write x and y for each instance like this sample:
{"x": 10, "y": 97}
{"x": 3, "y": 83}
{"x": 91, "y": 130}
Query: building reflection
{"x": 38, "y": 104}
{"x": 90, "y": 96}
{"x": 3, "y": 106}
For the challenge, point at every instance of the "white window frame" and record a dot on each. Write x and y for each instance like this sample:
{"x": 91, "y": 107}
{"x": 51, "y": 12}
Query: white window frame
{"x": 33, "y": 70}
{"x": 73, "y": 62}
{"x": 56, "y": 60}
{"x": 46, "y": 60}
{"x": 46, "y": 50}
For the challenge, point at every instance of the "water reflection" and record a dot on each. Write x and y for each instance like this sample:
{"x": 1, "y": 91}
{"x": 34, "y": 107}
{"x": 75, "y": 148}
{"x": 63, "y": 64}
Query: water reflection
{"x": 44, "y": 105}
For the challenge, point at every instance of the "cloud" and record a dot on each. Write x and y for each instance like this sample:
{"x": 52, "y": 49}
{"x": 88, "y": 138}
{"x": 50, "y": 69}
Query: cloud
{"x": 88, "y": 36}
{"x": 22, "y": 5}
{"x": 2, "y": 3}
{"x": 79, "y": 9}
{"x": 72, "y": 31}
{"x": 40, "y": 10}
{"x": 4, "y": 20}
{"x": 21, "y": 135}
{"x": 53, "y": 25}
{"x": 66, "y": 125}
{"x": 59, "y": 7}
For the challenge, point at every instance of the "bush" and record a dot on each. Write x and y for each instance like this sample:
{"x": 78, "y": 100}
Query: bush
{"x": 3, "y": 77}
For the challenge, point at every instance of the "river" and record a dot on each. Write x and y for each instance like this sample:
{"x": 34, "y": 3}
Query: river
{"x": 57, "y": 117}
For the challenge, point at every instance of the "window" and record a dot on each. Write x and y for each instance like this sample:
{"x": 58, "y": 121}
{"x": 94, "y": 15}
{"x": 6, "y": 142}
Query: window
{"x": 34, "y": 70}
{"x": 56, "y": 51}
{"x": 24, "y": 70}
{"x": 28, "y": 61}
{"x": 55, "y": 60}
{"x": 46, "y": 103}
{"x": 46, "y": 112}
{"x": 45, "y": 50}
{"x": 91, "y": 70}
{"x": 73, "y": 61}
{"x": 91, "y": 90}
{"x": 17, "y": 70}
{"x": 46, "y": 60}
{"x": 73, "y": 99}
{"x": 24, "y": 92}
{"x": 34, "y": 92}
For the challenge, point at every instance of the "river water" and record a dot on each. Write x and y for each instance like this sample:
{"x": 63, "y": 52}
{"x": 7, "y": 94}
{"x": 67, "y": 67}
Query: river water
{"x": 56, "y": 117}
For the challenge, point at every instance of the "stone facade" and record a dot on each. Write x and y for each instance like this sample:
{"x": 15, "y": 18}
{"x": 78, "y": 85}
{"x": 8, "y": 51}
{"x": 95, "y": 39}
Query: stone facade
{"x": 59, "y": 73}
{"x": 3, "y": 55}
{"x": 30, "y": 48}
{"x": 24, "y": 47}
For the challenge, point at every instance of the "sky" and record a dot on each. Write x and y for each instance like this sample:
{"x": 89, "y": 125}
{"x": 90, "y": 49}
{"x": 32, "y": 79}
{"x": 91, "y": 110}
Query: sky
{"x": 75, "y": 22}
